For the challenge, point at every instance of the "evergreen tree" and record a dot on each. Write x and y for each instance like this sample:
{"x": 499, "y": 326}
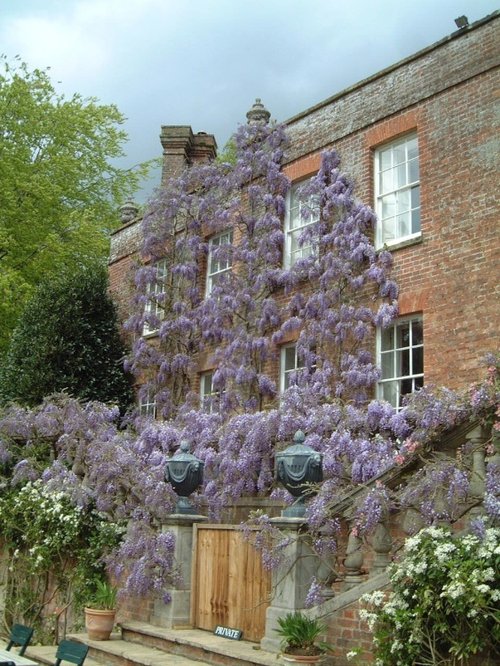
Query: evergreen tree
{"x": 67, "y": 340}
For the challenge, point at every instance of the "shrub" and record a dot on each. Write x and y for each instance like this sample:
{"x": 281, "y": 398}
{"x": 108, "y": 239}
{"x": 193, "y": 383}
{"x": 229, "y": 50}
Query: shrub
{"x": 445, "y": 600}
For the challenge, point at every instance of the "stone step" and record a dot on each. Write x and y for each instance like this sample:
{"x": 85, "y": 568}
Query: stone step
{"x": 116, "y": 652}
{"x": 46, "y": 654}
{"x": 143, "y": 644}
{"x": 198, "y": 645}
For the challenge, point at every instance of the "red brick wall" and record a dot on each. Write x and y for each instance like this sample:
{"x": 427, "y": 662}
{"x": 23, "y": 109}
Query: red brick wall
{"x": 452, "y": 275}
{"x": 346, "y": 632}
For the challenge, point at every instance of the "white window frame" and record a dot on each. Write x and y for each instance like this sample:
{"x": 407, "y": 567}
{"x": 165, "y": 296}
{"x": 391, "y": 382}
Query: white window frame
{"x": 154, "y": 290}
{"x": 397, "y": 191}
{"x": 295, "y": 223}
{"x": 285, "y": 373}
{"x": 217, "y": 268}
{"x": 209, "y": 399}
{"x": 393, "y": 356}
{"x": 147, "y": 405}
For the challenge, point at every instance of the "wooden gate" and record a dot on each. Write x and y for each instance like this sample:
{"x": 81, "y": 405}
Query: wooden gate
{"x": 230, "y": 586}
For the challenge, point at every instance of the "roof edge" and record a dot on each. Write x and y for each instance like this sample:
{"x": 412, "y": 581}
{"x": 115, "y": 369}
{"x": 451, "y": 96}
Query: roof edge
{"x": 383, "y": 72}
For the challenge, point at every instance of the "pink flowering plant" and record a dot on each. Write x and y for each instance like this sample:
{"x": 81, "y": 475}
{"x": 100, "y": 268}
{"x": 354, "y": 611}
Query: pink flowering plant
{"x": 444, "y": 601}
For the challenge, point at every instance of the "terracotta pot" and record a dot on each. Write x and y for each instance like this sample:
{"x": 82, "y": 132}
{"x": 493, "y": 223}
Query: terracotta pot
{"x": 99, "y": 623}
{"x": 301, "y": 659}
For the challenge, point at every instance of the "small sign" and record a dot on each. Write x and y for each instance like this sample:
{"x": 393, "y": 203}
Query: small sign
{"x": 227, "y": 632}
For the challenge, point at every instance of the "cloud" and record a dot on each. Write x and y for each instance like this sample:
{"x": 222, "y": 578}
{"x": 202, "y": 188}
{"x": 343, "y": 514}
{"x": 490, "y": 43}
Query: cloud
{"x": 203, "y": 62}
{"x": 83, "y": 42}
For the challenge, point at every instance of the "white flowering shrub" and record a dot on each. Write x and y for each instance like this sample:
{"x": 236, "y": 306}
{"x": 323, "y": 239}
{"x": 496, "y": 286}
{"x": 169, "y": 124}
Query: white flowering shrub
{"x": 57, "y": 549}
{"x": 444, "y": 602}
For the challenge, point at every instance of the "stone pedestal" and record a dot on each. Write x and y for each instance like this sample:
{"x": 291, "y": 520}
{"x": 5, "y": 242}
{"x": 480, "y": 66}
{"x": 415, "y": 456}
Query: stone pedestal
{"x": 178, "y": 612}
{"x": 382, "y": 546}
{"x": 353, "y": 562}
{"x": 477, "y": 440}
{"x": 290, "y": 581}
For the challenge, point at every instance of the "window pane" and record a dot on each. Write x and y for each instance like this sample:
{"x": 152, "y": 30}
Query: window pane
{"x": 413, "y": 171}
{"x": 403, "y": 201}
{"x": 403, "y": 225}
{"x": 415, "y": 221}
{"x": 388, "y": 338}
{"x": 290, "y": 358}
{"x": 400, "y": 154}
{"x": 403, "y": 363}
{"x": 412, "y": 147}
{"x": 401, "y": 175}
{"x": 214, "y": 265}
{"x": 390, "y": 392}
{"x": 294, "y": 218}
{"x": 415, "y": 197}
{"x": 388, "y": 206}
{"x": 403, "y": 335}
{"x": 406, "y": 386}
{"x": 389, "y": 230}
{"x": 418, "y": 361}
{"x": 417, "y": 332}
{"x": 386, "y": 181}
{"x": 387, "y": 365}
{"x": 385, "y": 160}
{"x": 207, "y": 383}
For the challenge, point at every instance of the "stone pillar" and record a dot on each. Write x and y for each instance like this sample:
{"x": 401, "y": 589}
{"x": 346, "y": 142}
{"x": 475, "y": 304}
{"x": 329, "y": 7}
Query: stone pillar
{"x": 178, "y": 612}
{"x": 477, "y": 438}
{"x": 382, "y": 546}
{"x": 353, "y": 562}
{"x": 290, "y": 580}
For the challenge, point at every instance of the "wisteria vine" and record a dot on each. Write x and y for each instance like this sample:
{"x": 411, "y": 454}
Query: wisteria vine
{"x": 330, "y": 301}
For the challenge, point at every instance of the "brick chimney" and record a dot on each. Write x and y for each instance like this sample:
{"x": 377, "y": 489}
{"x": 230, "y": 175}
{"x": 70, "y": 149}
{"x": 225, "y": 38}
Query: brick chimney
{"x": 182, "y": 148}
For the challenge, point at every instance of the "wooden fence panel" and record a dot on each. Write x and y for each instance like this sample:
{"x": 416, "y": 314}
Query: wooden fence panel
{"x": 231, "y": 587}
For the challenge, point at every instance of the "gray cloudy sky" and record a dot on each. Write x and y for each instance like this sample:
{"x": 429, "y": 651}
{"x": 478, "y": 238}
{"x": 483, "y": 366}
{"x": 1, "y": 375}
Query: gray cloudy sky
{"x": 203, "y": 62}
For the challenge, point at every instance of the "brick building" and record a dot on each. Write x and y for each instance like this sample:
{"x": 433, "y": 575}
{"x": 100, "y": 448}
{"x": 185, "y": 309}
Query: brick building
{"x": 421, "y": 141}
{"x": 437, "y": 110}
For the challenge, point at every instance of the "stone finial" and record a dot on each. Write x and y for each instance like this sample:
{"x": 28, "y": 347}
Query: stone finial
{"x": 128, "y": 212}
{"x": 258, "y": 114}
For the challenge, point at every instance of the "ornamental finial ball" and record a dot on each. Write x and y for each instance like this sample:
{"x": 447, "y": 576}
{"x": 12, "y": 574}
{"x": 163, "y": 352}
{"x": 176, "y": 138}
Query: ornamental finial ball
{"x": 258, "y": 114}
{"x": 299, "y": 437}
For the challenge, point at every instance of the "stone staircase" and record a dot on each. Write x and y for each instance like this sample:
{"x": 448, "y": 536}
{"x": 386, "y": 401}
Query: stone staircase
{"x": 142, "y": 644}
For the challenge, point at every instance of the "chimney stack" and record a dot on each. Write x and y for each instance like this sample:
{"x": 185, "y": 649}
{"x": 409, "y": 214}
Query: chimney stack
{"x": 182, "y": 148}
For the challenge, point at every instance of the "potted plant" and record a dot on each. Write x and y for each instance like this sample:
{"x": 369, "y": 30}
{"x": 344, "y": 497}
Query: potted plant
{"x": 300, "y": 644}
{"x": 100, "y": 612}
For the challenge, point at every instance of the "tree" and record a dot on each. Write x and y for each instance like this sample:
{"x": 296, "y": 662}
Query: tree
{"x": 67, "y": 339}
{"x": 59, "y": 184}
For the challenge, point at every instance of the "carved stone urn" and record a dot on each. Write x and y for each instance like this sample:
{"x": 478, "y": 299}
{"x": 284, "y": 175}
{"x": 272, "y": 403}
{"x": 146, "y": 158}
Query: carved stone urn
{"x": 184, "y": 472}
{"x": 297, "y": 467}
